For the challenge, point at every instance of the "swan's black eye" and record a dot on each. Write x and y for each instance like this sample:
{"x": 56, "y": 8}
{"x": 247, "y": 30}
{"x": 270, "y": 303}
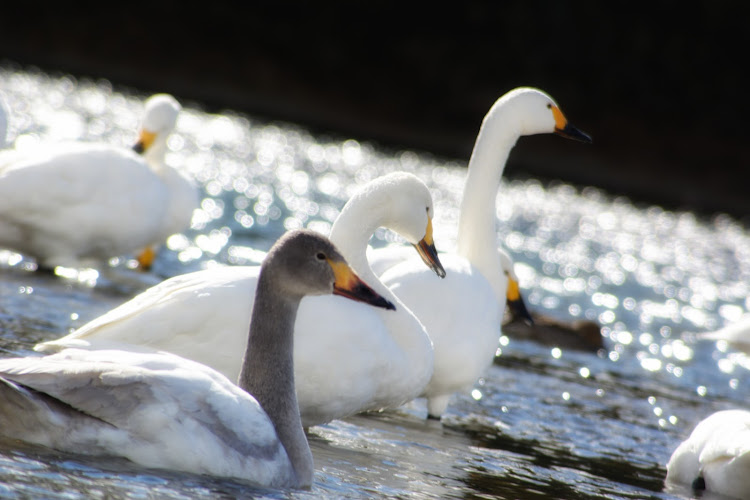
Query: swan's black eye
{"x": 549, "y": 105}
{"x": 321, "y": 256}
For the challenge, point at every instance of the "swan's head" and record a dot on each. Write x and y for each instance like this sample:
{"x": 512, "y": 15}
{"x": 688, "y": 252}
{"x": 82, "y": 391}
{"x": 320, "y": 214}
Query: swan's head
{"x": 159, "y": 119}
{"x": 513, "y": 297}
{"x": 307, "y": 263}
{"x": 537, "y": 113}
{"x": 410, "y": 215}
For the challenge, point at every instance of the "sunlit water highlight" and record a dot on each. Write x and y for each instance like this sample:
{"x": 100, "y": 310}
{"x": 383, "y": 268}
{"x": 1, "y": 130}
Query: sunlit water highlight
{"x": 544, "y": 423}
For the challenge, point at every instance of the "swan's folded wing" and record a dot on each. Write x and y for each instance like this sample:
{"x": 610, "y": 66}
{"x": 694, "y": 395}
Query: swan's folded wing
{"x": 155, "y": 409}
{"x": 97, "y": 387}
{"x": 155, "y": 316}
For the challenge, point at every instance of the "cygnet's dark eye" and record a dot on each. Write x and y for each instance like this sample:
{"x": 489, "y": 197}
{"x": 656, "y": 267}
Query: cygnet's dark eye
{"x": 321, "y": 256}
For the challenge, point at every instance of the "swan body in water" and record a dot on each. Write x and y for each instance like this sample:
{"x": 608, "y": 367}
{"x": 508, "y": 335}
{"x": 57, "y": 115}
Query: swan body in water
{"x": 349, "y": 358}
{"x": 78, "y": 204}
{"x": 736, "y": 334}
{"x": 463, "y": 314}
{"x": 716, "y": 456}
{"x": 160, "y": 410}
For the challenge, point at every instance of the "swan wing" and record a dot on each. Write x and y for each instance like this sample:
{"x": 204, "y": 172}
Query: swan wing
{"x": 155, "y": 409}
{"x": 203, "y": 316}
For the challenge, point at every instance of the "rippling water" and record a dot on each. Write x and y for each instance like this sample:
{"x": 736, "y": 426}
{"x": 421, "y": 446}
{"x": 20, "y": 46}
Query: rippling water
{"x": 544, "y": 423}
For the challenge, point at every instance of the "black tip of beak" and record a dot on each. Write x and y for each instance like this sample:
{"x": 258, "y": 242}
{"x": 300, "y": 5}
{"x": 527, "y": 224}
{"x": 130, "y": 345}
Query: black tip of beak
{"x": 518, "y": 311}
{"x": 139, "y": 147}
{"x": 571, "y": 132}
{"x": 387, "y": 305}
{"x": 430, "y": 257}
{"x": 363, "y": 293}
{"x": 369, "y": 296}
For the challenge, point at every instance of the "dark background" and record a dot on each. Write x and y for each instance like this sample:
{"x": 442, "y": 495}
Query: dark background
{"x": 661, "y": 86}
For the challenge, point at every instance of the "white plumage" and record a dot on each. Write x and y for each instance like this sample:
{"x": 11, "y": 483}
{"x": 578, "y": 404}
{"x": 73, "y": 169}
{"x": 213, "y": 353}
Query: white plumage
{"x": 78, "y": 204}
{"x": 736, "y": 334}
{"x": 463, "y": 315}
{"x": 348, "y": 357}
{"x": 716, "y": 456}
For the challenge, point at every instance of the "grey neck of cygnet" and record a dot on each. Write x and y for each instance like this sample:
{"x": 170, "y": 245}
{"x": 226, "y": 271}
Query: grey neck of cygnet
{"x": 268, "y": 372}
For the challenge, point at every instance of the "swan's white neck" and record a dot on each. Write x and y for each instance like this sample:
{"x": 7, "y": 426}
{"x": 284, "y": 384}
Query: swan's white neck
{"x": 183, "y": 199}
{"x": 155, "y": 154}
{"x": 477, "y": 239}
{"x": 351, "y": 233}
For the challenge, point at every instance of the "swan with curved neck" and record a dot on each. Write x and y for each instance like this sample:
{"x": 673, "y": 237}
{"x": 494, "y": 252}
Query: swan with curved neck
{"x": 464, "y": 314}
{"x": 347, "y": 358}
{"x": 79, "y": 204}
{"x": 160, "y": 410}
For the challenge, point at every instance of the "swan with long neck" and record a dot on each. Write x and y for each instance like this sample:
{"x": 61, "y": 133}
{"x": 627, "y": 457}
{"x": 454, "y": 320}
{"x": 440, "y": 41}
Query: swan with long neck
{"x": 348, "y": 358}
{"x": 160, "y": 410}
{"x": 463, "y": 315}
{"x": 79, "y": 204}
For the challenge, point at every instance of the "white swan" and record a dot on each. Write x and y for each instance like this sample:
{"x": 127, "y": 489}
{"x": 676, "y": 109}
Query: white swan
{"x": 716, "y": 456}
{"x": 160, "y": 410}
{"x": 78, "y": 204}
{"x": 736, "y": 334}
{"x": 463, "y": 314}
{"x": 349, "y": 358}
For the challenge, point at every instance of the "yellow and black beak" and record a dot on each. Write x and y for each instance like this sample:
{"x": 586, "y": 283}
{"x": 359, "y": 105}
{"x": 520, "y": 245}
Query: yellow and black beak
{"x": 347, "y": 284}
{"x": 515, "y": 302}
{"x": 145, "y": 140}
{"x": 565, "y": 129}
{"x": 426, "y": 249}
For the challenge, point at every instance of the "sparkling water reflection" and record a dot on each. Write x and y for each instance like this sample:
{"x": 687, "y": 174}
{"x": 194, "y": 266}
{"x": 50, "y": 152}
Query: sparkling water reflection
{"x": 544, "y": 423}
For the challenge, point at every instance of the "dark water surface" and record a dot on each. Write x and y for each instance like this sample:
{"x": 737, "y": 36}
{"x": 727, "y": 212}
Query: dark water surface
{"x": 543, "y": 423}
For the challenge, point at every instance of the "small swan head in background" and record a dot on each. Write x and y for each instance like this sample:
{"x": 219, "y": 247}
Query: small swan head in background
{"x": 538, "y": 113}
{"x": 159, "y": 120}
{"x": 325, "y": 269}
{"x": 520, "y": 323}
{"x": 514, "y": 300}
